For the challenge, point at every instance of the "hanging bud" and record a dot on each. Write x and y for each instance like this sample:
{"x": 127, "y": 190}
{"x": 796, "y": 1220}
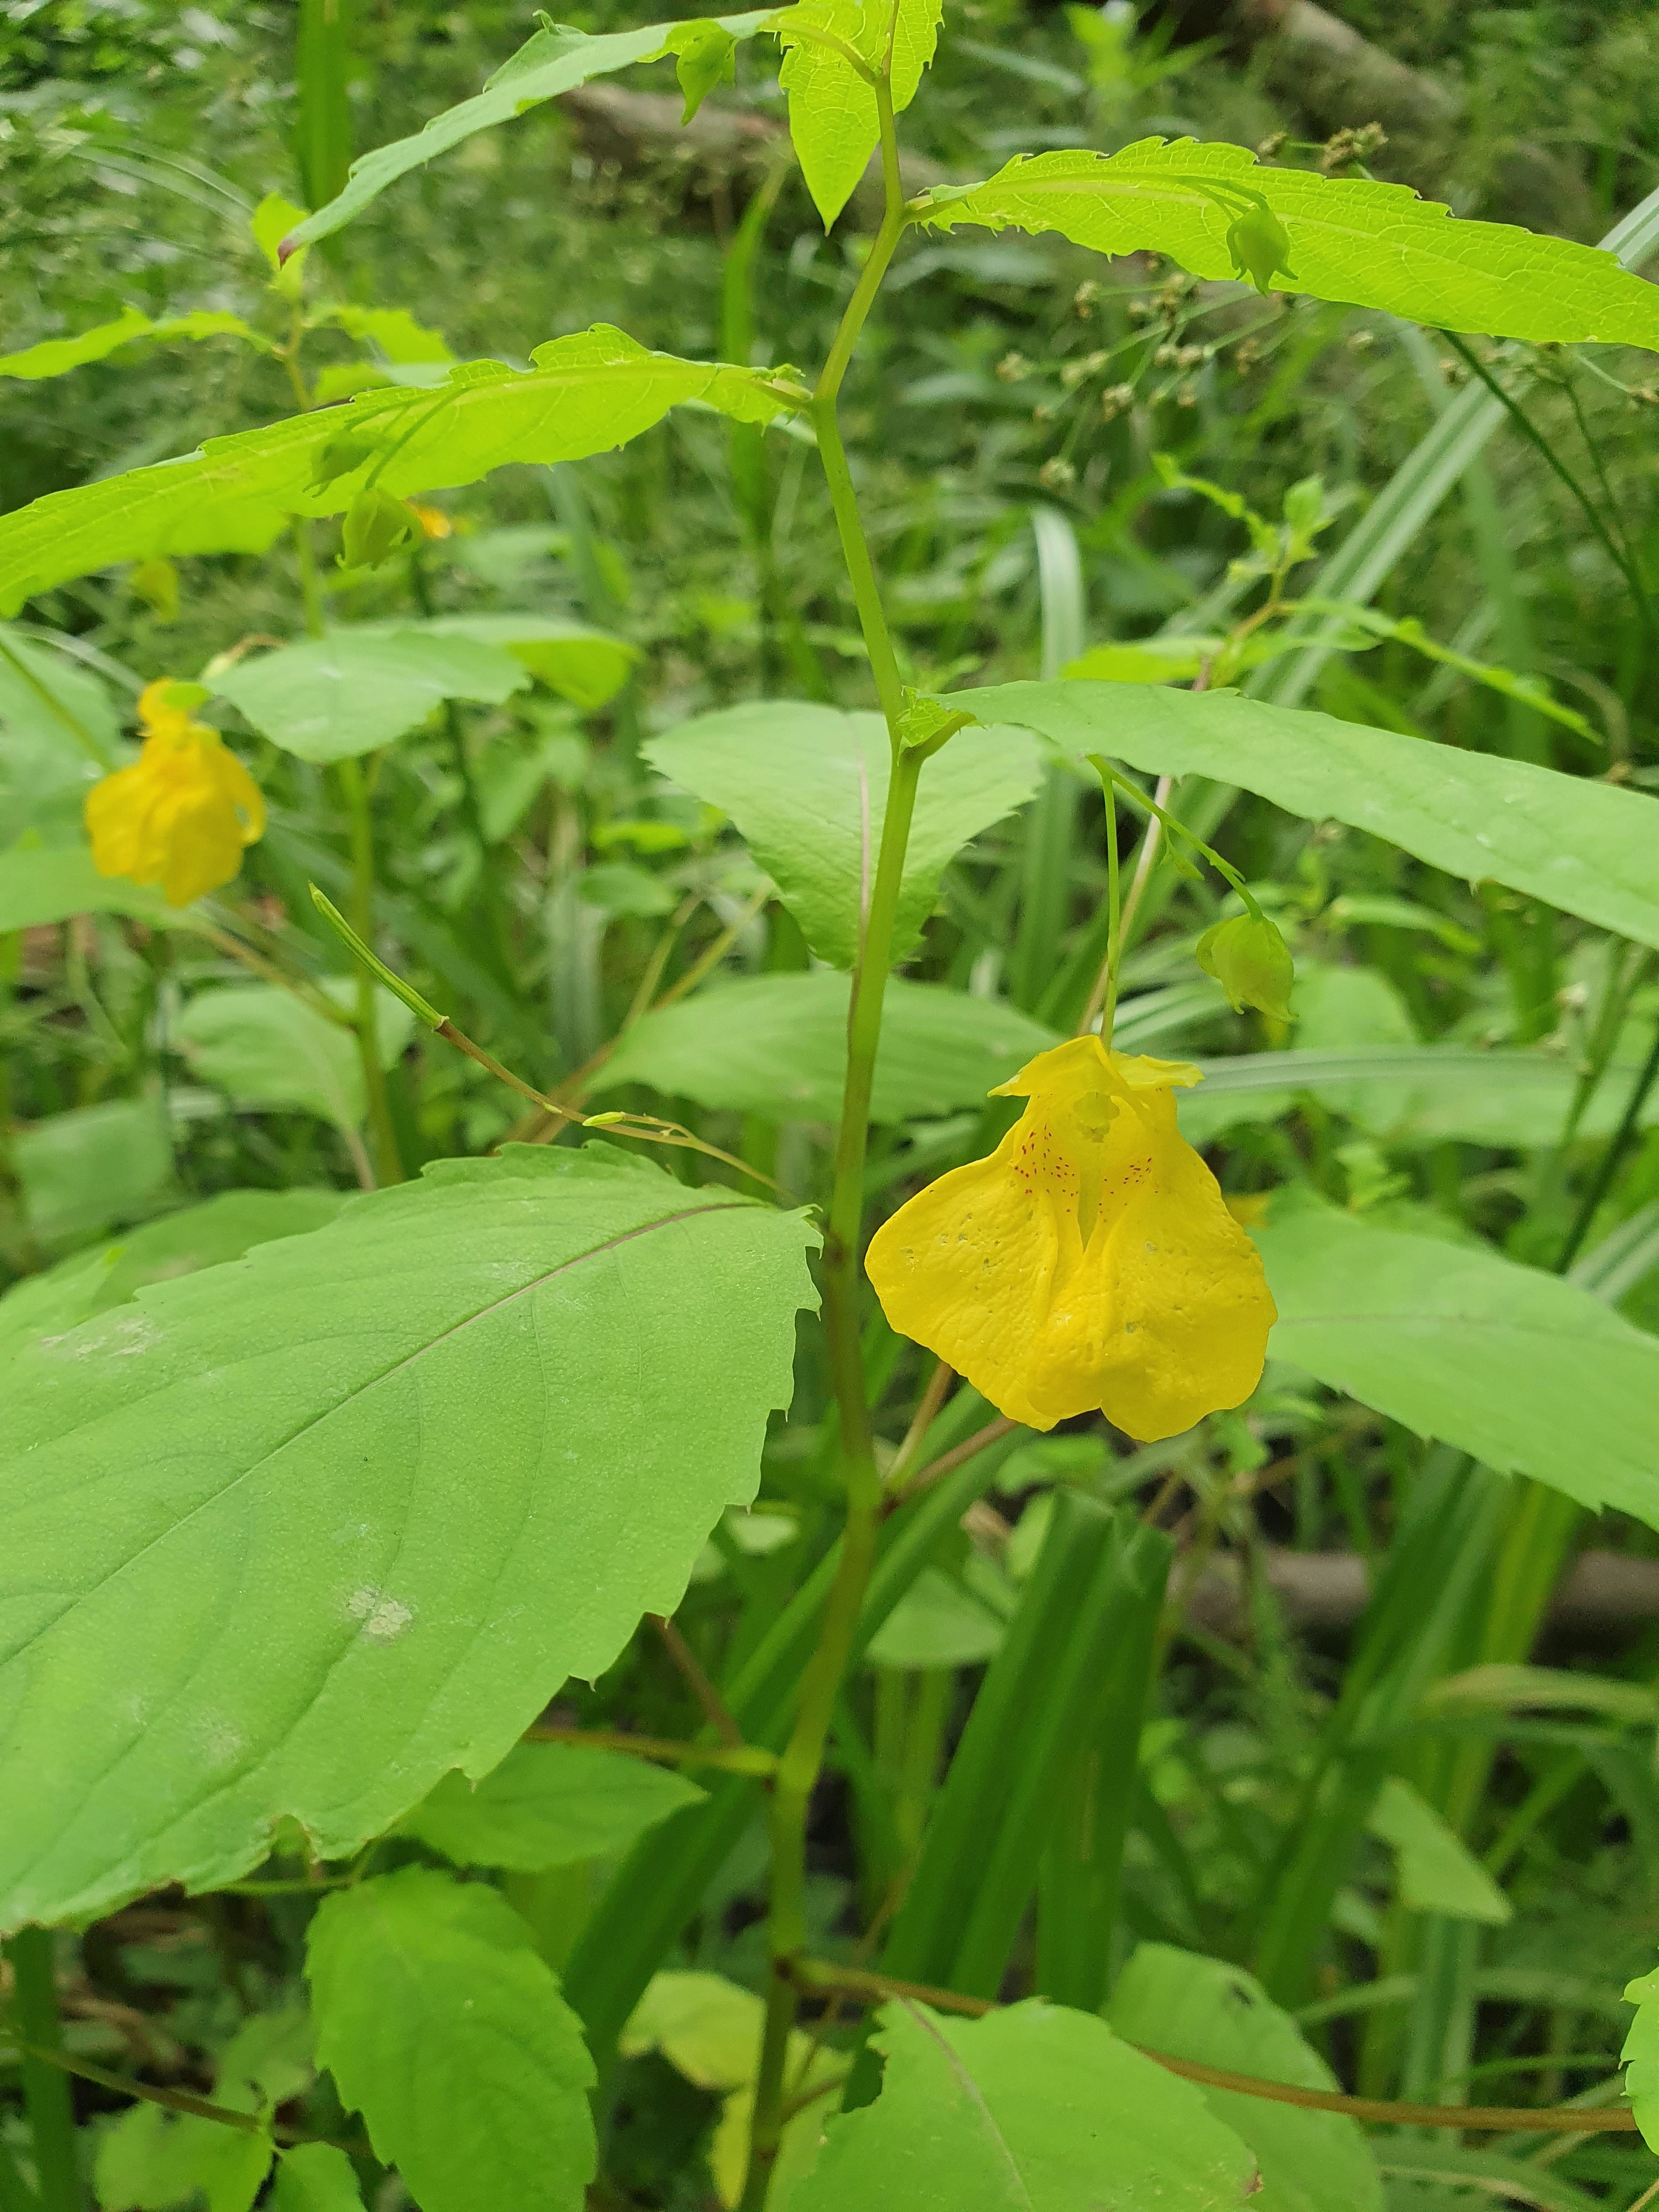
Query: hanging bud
{"x": 155, "y": 581}
{"x": 1260, "y": 247}
{"x": 1251, "y": 962}
{"x": 376, "y": 525}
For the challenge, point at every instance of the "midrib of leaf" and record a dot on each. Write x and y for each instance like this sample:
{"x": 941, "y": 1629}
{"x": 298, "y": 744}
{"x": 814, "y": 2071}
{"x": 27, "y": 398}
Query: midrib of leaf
{"x": 1190, "y": 196}
{"x": 970, "y": 2089}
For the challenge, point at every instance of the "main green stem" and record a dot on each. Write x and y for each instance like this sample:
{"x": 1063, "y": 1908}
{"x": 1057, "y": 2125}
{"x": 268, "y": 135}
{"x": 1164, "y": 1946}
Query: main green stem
{"x": 388, "y": 1163}
{"x": 803, "y": 1757}
{"x": 45, "y": 2087}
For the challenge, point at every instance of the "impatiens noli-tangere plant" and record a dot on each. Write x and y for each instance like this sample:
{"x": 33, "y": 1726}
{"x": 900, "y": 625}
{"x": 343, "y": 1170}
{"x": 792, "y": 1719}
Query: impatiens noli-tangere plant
{"x": 299, "y": 1541}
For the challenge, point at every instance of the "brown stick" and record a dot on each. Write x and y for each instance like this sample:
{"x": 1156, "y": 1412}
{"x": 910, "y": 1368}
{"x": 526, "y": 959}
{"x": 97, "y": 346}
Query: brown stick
{"x": 714, "y": 1705}
{"x": 1563, "y": 2119}
{"x": 948, "y": 1462}
{"x": 746, "y": 1758}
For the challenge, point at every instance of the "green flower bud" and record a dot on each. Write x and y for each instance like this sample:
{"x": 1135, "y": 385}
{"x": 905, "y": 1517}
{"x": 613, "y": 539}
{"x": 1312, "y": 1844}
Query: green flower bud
{"x": 376, "y": 525}
{"x": 1260, "y": 247}
{"x": 1250, "y": 961}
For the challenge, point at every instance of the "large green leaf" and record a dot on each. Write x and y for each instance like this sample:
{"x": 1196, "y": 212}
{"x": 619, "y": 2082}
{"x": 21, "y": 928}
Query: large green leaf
{"x": 587, "y": 666}
{"x": 1034, "y": 2109}
{"x": 807, "y": 786}
{"x": 52, "y": 357}
{"x": 1213, "y": 2012}
{"x": 1641, "y": 2055}
{"x": 332, "y": 697}
{"x": 1583, "y": 846}
{"x": 443, "y": 2027}
{"x": 1412, "y": 1094}
{"x": 548, "y": 1805}
{"x": 49, "y": 883}
{"x": 557, "y": 59}
{"x": 595, "y": 389}
{"x": 1370, "y": 245}
{"x": 203, "y": 1235}
{"x": 776, "y": 1045}
{"x": 268, "y": 1048}
{"x": 1529, "y": 1374}
{"x": 82, "y": 1170}
{"x": 299, "y": 1535}
{"x": 834, "y": 123}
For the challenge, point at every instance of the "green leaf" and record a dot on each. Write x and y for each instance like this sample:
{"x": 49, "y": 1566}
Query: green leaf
{"x": 267, "y": 2061}
{"x": 270, "y": 223}
{"x": 704, "y": 54}
{"x": 549, "y": 1805}
{"x": 1214, "y": 2013}
{"x": 315, "y": 2178}
{"x": 1499, "y": 1687}
{"x": 48, "y": 698}
{"x": 1521, "y": 2180}
{"x": 709, "y": 2030}
{"x": 82, "y": 1170}
{"x": 1640, "y": 2057}
{"x": 557, "y": 59}
{"x": 1415, "y": 1094}
{"x": 54, "y": 356}
{"x": 203, "y": 1235}
{"x": 441, "y": 2025}
{"x": 594, "y": 390}
{"x": 1034, "y": 2109}
{"x": 1530, "y": 690}
{"x": 528, "y": 1316}
{"x": 151, "y": 2161}
{"x": 1439, "y": 1873}
{"x": 1367, "y": 245}
{"x": 1585, "y": 846}
{"x": 392, "y": 330}
{"x": 587, "y": 666}
{"x": 331, "y": 698}
{"x": 833, "y": 119}
{"x": 1529, "y": 1374}
{"x": 41, "y": 884}
{"x": 936, "y": 1623}
{"x": 807, "y": 786}
{"x": 776, "y": 1045}
{"x": 269, "y": 1050}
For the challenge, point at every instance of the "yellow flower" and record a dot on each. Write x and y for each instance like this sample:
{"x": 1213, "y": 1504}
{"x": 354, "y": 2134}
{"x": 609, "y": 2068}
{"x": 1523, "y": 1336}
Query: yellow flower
{"x": 180, "y": 816}
{"x": 1090, "y": 1261}
{"x": 433, "y": 522}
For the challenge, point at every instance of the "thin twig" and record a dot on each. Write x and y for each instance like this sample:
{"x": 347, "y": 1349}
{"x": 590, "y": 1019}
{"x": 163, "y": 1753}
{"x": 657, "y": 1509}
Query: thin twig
{"x": 927, "y": 1412}
{"x": 948, "y": 1462}
{"x": 817, "y": 1975}
{"x": 749, "y": 1759}
{"x": 715, "y": 1708}
{"x": 176, "y": 2100}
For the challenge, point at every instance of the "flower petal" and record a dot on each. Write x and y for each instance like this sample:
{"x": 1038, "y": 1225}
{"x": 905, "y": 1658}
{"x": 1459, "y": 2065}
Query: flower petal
{"x": 967, "y": 1269}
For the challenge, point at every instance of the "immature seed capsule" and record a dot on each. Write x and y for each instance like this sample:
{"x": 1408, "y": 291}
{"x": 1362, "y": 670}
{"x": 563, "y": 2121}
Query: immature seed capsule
{"x": 1260, "y": 247}
{"x": 376, "y": 525}
{"x": 1251, "y": 962}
